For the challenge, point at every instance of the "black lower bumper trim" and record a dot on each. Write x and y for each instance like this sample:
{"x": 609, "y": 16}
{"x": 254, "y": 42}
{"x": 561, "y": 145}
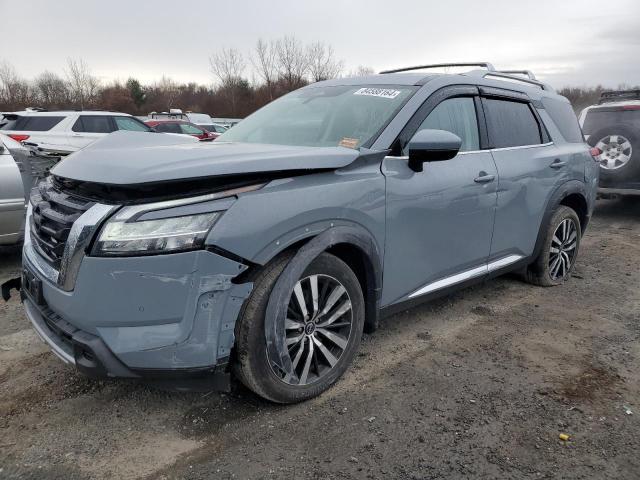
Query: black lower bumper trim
{"x": 92, "y": 357}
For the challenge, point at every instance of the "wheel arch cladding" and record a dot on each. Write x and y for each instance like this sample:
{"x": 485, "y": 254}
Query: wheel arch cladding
{"x": 578, "y": 203}
{"x": 353, "y": 245}
{"x": 571, "y": 194}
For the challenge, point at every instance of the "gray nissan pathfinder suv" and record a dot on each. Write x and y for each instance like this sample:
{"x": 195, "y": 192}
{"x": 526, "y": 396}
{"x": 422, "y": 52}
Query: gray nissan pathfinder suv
{"x": 267, "y": 253}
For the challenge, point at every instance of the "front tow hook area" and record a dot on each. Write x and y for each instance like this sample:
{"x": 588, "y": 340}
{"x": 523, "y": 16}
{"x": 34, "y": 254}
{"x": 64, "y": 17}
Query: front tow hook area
{"x": 12, "y": 284}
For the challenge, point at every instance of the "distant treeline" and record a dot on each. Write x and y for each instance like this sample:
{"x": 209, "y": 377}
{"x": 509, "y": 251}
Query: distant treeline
{"x": 277, "y": 67}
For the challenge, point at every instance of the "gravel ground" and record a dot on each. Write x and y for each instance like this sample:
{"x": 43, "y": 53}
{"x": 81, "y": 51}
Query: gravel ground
{"x": 477, "y": 385}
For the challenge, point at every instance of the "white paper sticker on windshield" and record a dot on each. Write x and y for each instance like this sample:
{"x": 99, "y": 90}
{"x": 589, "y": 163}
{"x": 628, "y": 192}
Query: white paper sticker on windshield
{"x": 378, "y": 92}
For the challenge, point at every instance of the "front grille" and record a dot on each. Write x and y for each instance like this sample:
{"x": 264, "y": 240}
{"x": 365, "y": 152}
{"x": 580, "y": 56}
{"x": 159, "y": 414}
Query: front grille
{"x": 53, "y": 214}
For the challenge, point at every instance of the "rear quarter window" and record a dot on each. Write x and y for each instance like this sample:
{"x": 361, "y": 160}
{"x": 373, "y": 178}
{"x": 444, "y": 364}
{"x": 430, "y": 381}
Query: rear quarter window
{"x": 511, "y": 123}
{"x": 565, "y": 119}
{"x": 31, "y": 124}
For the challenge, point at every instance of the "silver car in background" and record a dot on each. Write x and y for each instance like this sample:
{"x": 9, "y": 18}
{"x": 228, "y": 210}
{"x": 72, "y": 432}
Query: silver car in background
{"x": 12, "y": 195}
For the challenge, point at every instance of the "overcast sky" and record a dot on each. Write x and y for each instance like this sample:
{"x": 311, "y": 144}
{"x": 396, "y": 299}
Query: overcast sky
{"x": 565, "y": 42}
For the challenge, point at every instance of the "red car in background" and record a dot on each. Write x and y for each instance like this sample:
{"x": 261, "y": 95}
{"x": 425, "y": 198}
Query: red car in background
{"x": 182, "y": 127}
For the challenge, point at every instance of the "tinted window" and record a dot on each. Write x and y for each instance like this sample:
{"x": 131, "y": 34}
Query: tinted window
{"x": 190, "y": 129}
{"x": 511, "y": 124}
{"x": 565, "y": 119}
{"x": 456, "y": 115}
{"x": 130, "y": 123}
{"x": 168, "y": 128}
{"x": 31, "y": 124}
{"x": 599, "y": 118}
{"x": 93, "y": 124}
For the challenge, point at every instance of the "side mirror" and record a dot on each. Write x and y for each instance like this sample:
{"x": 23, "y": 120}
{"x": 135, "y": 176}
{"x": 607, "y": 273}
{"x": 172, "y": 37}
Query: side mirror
{"x": 432, "y": 146}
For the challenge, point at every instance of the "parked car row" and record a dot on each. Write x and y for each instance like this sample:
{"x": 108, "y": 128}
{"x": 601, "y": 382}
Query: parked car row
{"x": 67, "y": 130}
{"x": 201, "y": 120}
{"x": 267, "y": 254}
{"x": 182, "y": 127}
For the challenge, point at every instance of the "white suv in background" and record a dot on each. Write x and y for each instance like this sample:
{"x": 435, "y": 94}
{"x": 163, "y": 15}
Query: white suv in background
{"x": 66, "y": 131}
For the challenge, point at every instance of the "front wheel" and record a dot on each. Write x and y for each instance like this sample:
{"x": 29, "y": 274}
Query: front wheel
{"x": 323, "y": 328}
{"x": 556, "y": 260}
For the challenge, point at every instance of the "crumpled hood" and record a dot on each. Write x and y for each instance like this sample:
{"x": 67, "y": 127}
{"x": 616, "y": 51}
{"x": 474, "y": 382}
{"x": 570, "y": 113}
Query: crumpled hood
{"x": 131, "y": 158}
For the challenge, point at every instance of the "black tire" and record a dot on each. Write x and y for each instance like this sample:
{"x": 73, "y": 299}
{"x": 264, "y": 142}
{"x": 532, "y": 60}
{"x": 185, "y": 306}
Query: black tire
{"x": 627, "y": 172}
{"x": 251, "y": 364}
{"x": 540, "y": 271}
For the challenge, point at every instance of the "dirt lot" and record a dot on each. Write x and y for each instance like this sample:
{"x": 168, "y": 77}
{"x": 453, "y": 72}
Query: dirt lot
{"x": 478, "y": 385}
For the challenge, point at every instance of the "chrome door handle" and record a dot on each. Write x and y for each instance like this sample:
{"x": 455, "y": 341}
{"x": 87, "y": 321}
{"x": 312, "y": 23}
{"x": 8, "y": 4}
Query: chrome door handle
{"x": 484, "y": 178}
{"x": 557, "y": 163}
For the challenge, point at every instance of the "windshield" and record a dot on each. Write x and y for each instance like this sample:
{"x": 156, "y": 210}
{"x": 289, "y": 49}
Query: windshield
{"x": 347, "y": 116}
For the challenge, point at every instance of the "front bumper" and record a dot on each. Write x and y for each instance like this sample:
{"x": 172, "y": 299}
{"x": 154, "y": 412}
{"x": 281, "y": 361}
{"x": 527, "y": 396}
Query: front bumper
{"x": 73, "y": 346}
{"x": 141, "y": 317}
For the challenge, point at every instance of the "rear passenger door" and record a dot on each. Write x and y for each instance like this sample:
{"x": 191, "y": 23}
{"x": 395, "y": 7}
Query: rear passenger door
{"x": 529, "y": 167}
{"x": 440, "y": 220}
{"x": 89, "y": 128}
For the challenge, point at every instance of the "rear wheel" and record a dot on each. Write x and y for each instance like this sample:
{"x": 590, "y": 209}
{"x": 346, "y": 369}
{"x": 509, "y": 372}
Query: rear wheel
{"x": 556, "y": 260}
{"x": 323, "y": 327}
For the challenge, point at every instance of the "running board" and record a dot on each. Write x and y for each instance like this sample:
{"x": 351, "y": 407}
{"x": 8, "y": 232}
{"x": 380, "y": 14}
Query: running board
{"x": 466, "y": 275}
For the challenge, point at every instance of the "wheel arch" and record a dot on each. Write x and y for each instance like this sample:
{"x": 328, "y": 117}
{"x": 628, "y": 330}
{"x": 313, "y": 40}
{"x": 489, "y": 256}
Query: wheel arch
{"x": 572, "y": 194}
{"x": 352, "y": 244}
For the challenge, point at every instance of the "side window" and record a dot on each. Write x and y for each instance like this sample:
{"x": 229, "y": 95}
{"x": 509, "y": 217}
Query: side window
{"x": 190, "y": 129}
{"x": 93, "y": 124}
{"x": 511, "y": 124}
{"x": 129, "y": 123}
{"x": 168, "y": 128}
{"x": 565, "y": 119}
{"x": 456, "y": 115}
{"x": 33, "y": 124}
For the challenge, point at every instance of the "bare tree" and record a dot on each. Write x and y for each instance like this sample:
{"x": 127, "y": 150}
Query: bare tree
{"x": 15, "y": 92}
{"x": 83, "y": 86}
{"x": 169, "y": 91}
{"x": 322, "y": 62}
{"x": 51, "y": 90}
{"x": 361, "y": 71}
{"x": 228, "y": 66}
{"x": 293, "y": 62}
{"x": 265, "y": 64}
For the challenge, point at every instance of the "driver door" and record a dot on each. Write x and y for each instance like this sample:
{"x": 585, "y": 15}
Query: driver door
{"x": 439, "y": 222}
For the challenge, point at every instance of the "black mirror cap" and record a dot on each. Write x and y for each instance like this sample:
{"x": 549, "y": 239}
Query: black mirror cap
{"x": 432, "y": 146}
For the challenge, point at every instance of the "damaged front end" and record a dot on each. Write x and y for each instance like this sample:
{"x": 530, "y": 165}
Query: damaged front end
{"x": 132, "y": 290}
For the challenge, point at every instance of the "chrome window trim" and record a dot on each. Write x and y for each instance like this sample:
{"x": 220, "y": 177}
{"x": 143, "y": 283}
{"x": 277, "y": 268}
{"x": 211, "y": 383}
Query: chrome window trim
{"x": 519, "y": 147}
{"x": 522, "y": 147}
{"x": 466, "y": 275}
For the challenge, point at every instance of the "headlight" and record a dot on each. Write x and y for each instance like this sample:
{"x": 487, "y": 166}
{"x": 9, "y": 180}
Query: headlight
{"x": 122, "y": 237}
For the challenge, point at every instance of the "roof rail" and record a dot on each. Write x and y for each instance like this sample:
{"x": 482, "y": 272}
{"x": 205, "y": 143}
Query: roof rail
{"x": 513, "y": 78}
{"x": 486, "y": 65}
{"x": 528, "y": 73}
{"x": 615, "y": 95}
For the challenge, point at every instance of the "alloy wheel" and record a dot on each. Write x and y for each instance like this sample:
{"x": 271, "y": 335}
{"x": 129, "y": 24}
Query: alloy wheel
{"x": 616, "y": 151}
{"x": 563, "y": 249}
{"x": 317, "y": 328}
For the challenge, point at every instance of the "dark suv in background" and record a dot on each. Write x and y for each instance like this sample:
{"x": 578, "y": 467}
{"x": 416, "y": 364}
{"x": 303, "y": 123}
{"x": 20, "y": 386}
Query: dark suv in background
{"x": 613, "y": 126}
{"x": 267, "y": 252}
